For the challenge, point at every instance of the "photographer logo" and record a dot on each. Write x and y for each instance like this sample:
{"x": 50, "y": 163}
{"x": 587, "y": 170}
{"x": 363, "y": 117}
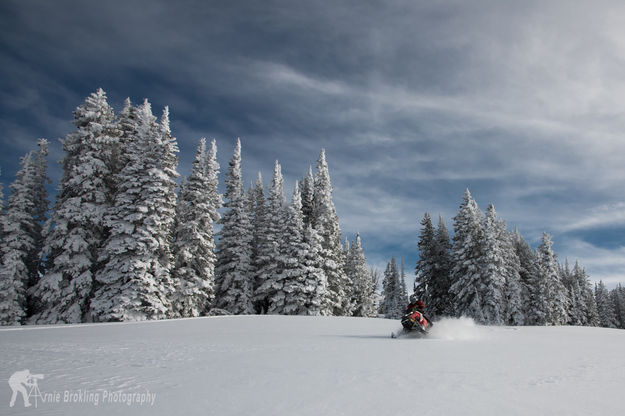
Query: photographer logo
{"x": 25, "y": 384}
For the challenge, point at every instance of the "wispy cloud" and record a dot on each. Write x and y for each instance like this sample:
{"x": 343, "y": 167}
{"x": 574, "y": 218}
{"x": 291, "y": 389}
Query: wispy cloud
{"x": 413, "y": 101}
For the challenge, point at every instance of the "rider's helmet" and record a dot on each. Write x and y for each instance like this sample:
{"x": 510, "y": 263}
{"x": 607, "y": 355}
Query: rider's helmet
{"x": 413, "y": 298}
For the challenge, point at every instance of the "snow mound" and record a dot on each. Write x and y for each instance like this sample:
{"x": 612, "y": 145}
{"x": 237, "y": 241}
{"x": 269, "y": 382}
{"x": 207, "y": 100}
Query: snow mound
{"x": 456, "y": 329}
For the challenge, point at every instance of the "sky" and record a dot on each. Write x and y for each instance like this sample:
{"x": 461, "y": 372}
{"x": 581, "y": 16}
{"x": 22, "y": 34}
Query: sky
{"x": 414, "y": 101}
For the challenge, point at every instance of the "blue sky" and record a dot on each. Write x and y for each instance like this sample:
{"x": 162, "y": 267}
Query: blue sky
{"x": 413, "y": 100}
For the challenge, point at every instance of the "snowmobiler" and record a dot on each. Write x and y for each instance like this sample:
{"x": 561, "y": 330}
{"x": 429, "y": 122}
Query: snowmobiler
{"x": 415, "y": 318}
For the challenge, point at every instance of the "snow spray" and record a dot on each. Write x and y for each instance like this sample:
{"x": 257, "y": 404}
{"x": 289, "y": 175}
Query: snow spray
{"x": 456, "y": 329}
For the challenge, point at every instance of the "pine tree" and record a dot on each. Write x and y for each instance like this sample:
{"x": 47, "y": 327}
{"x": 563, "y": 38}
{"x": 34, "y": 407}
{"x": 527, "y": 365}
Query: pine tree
{"x": 392, "y": 306}
{"x": 76, "y": 229}
{"x": 571, "y": 281}
{"x": 402, "y": 279}
{"x": 513, "y": 291}
{"x": 605, "y": 306}
{"x": 307, "y": 190}
{"x": 433, "y": 268}
{"x": 363, "y": 290}
{"x": 554, "y": 291}
{"x": 467, "y": 253}
{"x": 494, "y": 271}
{"x": 618, "y": 300}
{"x": 234, "y": 271}
{"x": 326, "y": 224}
{"x": 194, "y": 246}
{"x": 20, "y": 245}
{"x": 303, "y": 281}
{"x": 426, "y": 270}
{"x": 135, "y": 281}
{"x": 258, "y": 217}
{"x": 534, "y": 309}
{"x": 590, "y": 315}
{"x": 268, "y": 260}
{"x": 444, "y": 303}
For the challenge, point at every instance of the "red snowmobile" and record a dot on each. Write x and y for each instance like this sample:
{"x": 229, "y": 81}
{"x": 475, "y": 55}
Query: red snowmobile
{"x": 414, "y": 320}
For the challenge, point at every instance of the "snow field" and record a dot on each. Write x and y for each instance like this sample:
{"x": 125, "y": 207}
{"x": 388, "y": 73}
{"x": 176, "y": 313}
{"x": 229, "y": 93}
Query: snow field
{"x": 280, "y": 365}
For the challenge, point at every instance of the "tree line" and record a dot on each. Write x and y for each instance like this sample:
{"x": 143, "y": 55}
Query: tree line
{"x": 124, "y": 242}
{"x": 492, "y": 275}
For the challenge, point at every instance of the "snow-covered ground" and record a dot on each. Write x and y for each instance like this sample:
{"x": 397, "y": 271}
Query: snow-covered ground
{"x": 278, "y": 365}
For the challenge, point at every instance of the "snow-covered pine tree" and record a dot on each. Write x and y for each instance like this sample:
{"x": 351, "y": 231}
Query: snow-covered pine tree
{"x": 466, "y": 256}
{"x": 494, "y": 269}
{"x": 74, "y": 234}
{"x": 40, "y": 214}
{"x": 392, "y": 307}
{"x": 303, "y": 281}
{"x": 258, "y": 214}
{"x": 269, "y": 258}
{"x": 20, "y": 245}
{"x": 426, "y": 276}
{"x": 557, "y": 301}
{"x": 605, "y": 307}
{"x": 307, "y": 190}
{"x": 533, "y": 302}
{"x": 326, "y": 224}
{"x": 618, "y": 300}
{"x": 135, "y": 280}
{"x": 376, "y": 295}
{"x": 586, "y": 302}
{"x": 194, "y": 244}
{"x": 363, "y": 290}
{"x": 234, "y": 271}
{"x": 443, "y": 269}
{"x": 402, "y": 281}
{"x": 513, "y": 291}
{"x": 576, "y": 314}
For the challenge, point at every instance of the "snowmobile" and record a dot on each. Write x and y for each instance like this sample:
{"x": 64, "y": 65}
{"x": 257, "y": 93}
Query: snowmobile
{"x": 413, "y": 322}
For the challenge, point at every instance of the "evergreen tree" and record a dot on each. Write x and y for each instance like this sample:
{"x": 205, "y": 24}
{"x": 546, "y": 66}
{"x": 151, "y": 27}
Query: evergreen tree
{"x": 194, "y": 246}
{"x": 303, "y": 282}
{"x": 135, "y": 281}
{"x": 402, "y": 280}
{"x": 590, "y": 316}
{"x": 618, "y": 300}
{"x": 20, "y": 245}
{"x": 554, "y": 291}
{"x": 363, "y": 290}
{"x": 571, "y": 281}
{"x": 426, "y": 270}
{"x": 326, "y": 224}
{"x": 534, "y": 306}
{"x": 466, "y": 254}
{"x": 513, "y": 291}
{"x": 307, "y": 190}
{"x": 258, "y": 217}
{"x": 605, "y": 306}
{"x": 444, "y": 304}
{"x": 433, "y": 267}
{"x": 494, "y": 273}
{"x": 76, "y": 229}
{"x": 268, "y": 260}
{"x": 234, "y": 271}
{"x": 392, "y": 306}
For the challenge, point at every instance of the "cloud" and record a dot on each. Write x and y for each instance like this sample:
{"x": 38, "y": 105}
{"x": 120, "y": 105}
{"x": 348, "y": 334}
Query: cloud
{"x": 413, "y": 101}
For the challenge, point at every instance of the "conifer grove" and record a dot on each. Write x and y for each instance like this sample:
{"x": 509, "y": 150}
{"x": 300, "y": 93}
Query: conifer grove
{"x": 128, "y": 239}
{"x": 123, "y": 241}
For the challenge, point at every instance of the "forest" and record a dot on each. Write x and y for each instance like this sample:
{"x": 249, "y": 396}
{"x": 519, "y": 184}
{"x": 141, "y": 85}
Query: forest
{"x": 126, "y": 239}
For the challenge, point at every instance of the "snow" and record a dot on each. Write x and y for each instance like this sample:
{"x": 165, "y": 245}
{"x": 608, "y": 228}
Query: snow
{"x": 281, "y": 365}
